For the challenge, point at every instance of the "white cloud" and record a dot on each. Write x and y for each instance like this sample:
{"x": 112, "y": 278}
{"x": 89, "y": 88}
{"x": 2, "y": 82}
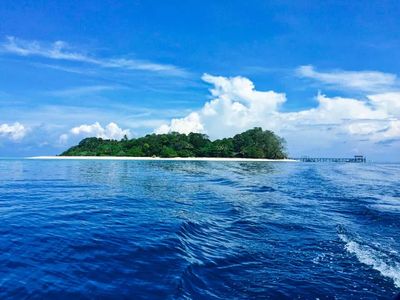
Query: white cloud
{"x": 389, "y": 102}
{"x": 60, "y": 50}
{"x": 14, "y": 132}
{"x": 188, "y": 124}
{"x": 237, "y": 106}
{"x": 367, "y": 81}
{"x": 111, "y": 131}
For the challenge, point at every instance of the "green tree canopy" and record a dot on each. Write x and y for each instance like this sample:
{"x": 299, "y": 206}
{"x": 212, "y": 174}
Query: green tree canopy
{"x": 253, "y": 143}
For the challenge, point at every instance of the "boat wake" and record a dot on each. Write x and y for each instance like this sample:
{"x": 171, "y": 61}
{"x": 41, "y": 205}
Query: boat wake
{"x": 385, "y": 262}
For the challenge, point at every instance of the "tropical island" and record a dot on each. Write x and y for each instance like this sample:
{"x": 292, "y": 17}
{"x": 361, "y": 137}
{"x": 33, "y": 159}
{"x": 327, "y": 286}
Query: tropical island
{"x": 253, "y": 143}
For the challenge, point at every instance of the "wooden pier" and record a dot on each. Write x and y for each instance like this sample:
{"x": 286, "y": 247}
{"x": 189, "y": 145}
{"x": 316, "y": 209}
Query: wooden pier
{"x": 355, "y": 159}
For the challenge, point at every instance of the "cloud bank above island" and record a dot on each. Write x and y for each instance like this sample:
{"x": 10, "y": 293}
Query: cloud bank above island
{"x": 236, "y": 105}
{"x": 369, "y": 123}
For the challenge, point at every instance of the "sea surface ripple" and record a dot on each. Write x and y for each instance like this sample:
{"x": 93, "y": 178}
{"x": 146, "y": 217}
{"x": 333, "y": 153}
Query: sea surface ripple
{"x": 81, "y": 229}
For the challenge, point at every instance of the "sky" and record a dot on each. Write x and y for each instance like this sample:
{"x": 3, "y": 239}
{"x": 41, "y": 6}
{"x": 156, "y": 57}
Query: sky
{"x": 322, "y": 74}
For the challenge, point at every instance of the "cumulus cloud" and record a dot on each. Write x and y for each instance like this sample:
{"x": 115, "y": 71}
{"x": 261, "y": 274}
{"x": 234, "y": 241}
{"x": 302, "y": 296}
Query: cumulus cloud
{"x": 60, "y": 50}
{"x": 367, "y": 81}
{"x": 188, "y": 124}
{"x": 389, "y": 102}
{"x": 14, "y": 132}
{"x": 236, "y": 106}
{"x": 112, "y": 131}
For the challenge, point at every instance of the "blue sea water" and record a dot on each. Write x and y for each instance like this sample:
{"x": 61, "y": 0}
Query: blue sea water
{"x": 198, "y": 230}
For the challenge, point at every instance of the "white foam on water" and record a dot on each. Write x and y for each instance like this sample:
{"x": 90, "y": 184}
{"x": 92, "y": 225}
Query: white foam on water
{"x": 373, "y": 258}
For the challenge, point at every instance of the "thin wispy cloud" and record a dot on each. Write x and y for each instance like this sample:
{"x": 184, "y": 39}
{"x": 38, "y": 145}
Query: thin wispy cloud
{"x": 365, "y": 81}
{"x": 82, "y": 90}
{"x": 60, "y": 50}
{"x": 74, "y": 70}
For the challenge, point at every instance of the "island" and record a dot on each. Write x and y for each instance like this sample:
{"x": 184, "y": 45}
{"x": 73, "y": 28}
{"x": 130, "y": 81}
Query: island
{"x": 253, "y": 143}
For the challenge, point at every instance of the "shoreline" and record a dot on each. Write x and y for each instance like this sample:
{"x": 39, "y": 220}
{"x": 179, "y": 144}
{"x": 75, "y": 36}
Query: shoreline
{"x": 223, "y": 159}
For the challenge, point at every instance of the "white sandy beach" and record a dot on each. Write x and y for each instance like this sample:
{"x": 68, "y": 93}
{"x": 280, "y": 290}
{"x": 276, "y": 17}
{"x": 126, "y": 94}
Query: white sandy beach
{"x": 223, "y": 159}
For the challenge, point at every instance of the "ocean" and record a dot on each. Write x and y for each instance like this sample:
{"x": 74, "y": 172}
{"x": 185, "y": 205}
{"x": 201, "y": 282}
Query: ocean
{"x": 85, "y": 229}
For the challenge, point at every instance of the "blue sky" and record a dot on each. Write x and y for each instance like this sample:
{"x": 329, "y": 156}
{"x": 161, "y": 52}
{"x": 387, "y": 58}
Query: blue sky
{"x": 70, "y": 68}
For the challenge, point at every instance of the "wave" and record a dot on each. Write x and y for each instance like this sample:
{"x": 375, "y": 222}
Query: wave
{"x": 386, "y": 204}
{"x": 386, "y": 208}
{"x": 380, "y": 261}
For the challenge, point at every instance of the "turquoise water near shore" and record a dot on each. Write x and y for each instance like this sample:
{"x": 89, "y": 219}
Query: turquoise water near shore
{"x": 198, "y": 230}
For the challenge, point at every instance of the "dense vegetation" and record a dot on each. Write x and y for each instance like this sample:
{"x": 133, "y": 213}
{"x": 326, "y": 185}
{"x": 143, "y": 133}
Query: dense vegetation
{"x": 253, "y": 143}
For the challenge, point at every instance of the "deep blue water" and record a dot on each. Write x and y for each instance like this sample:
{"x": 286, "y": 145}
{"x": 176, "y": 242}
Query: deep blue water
{"x": 198, "y": 230}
